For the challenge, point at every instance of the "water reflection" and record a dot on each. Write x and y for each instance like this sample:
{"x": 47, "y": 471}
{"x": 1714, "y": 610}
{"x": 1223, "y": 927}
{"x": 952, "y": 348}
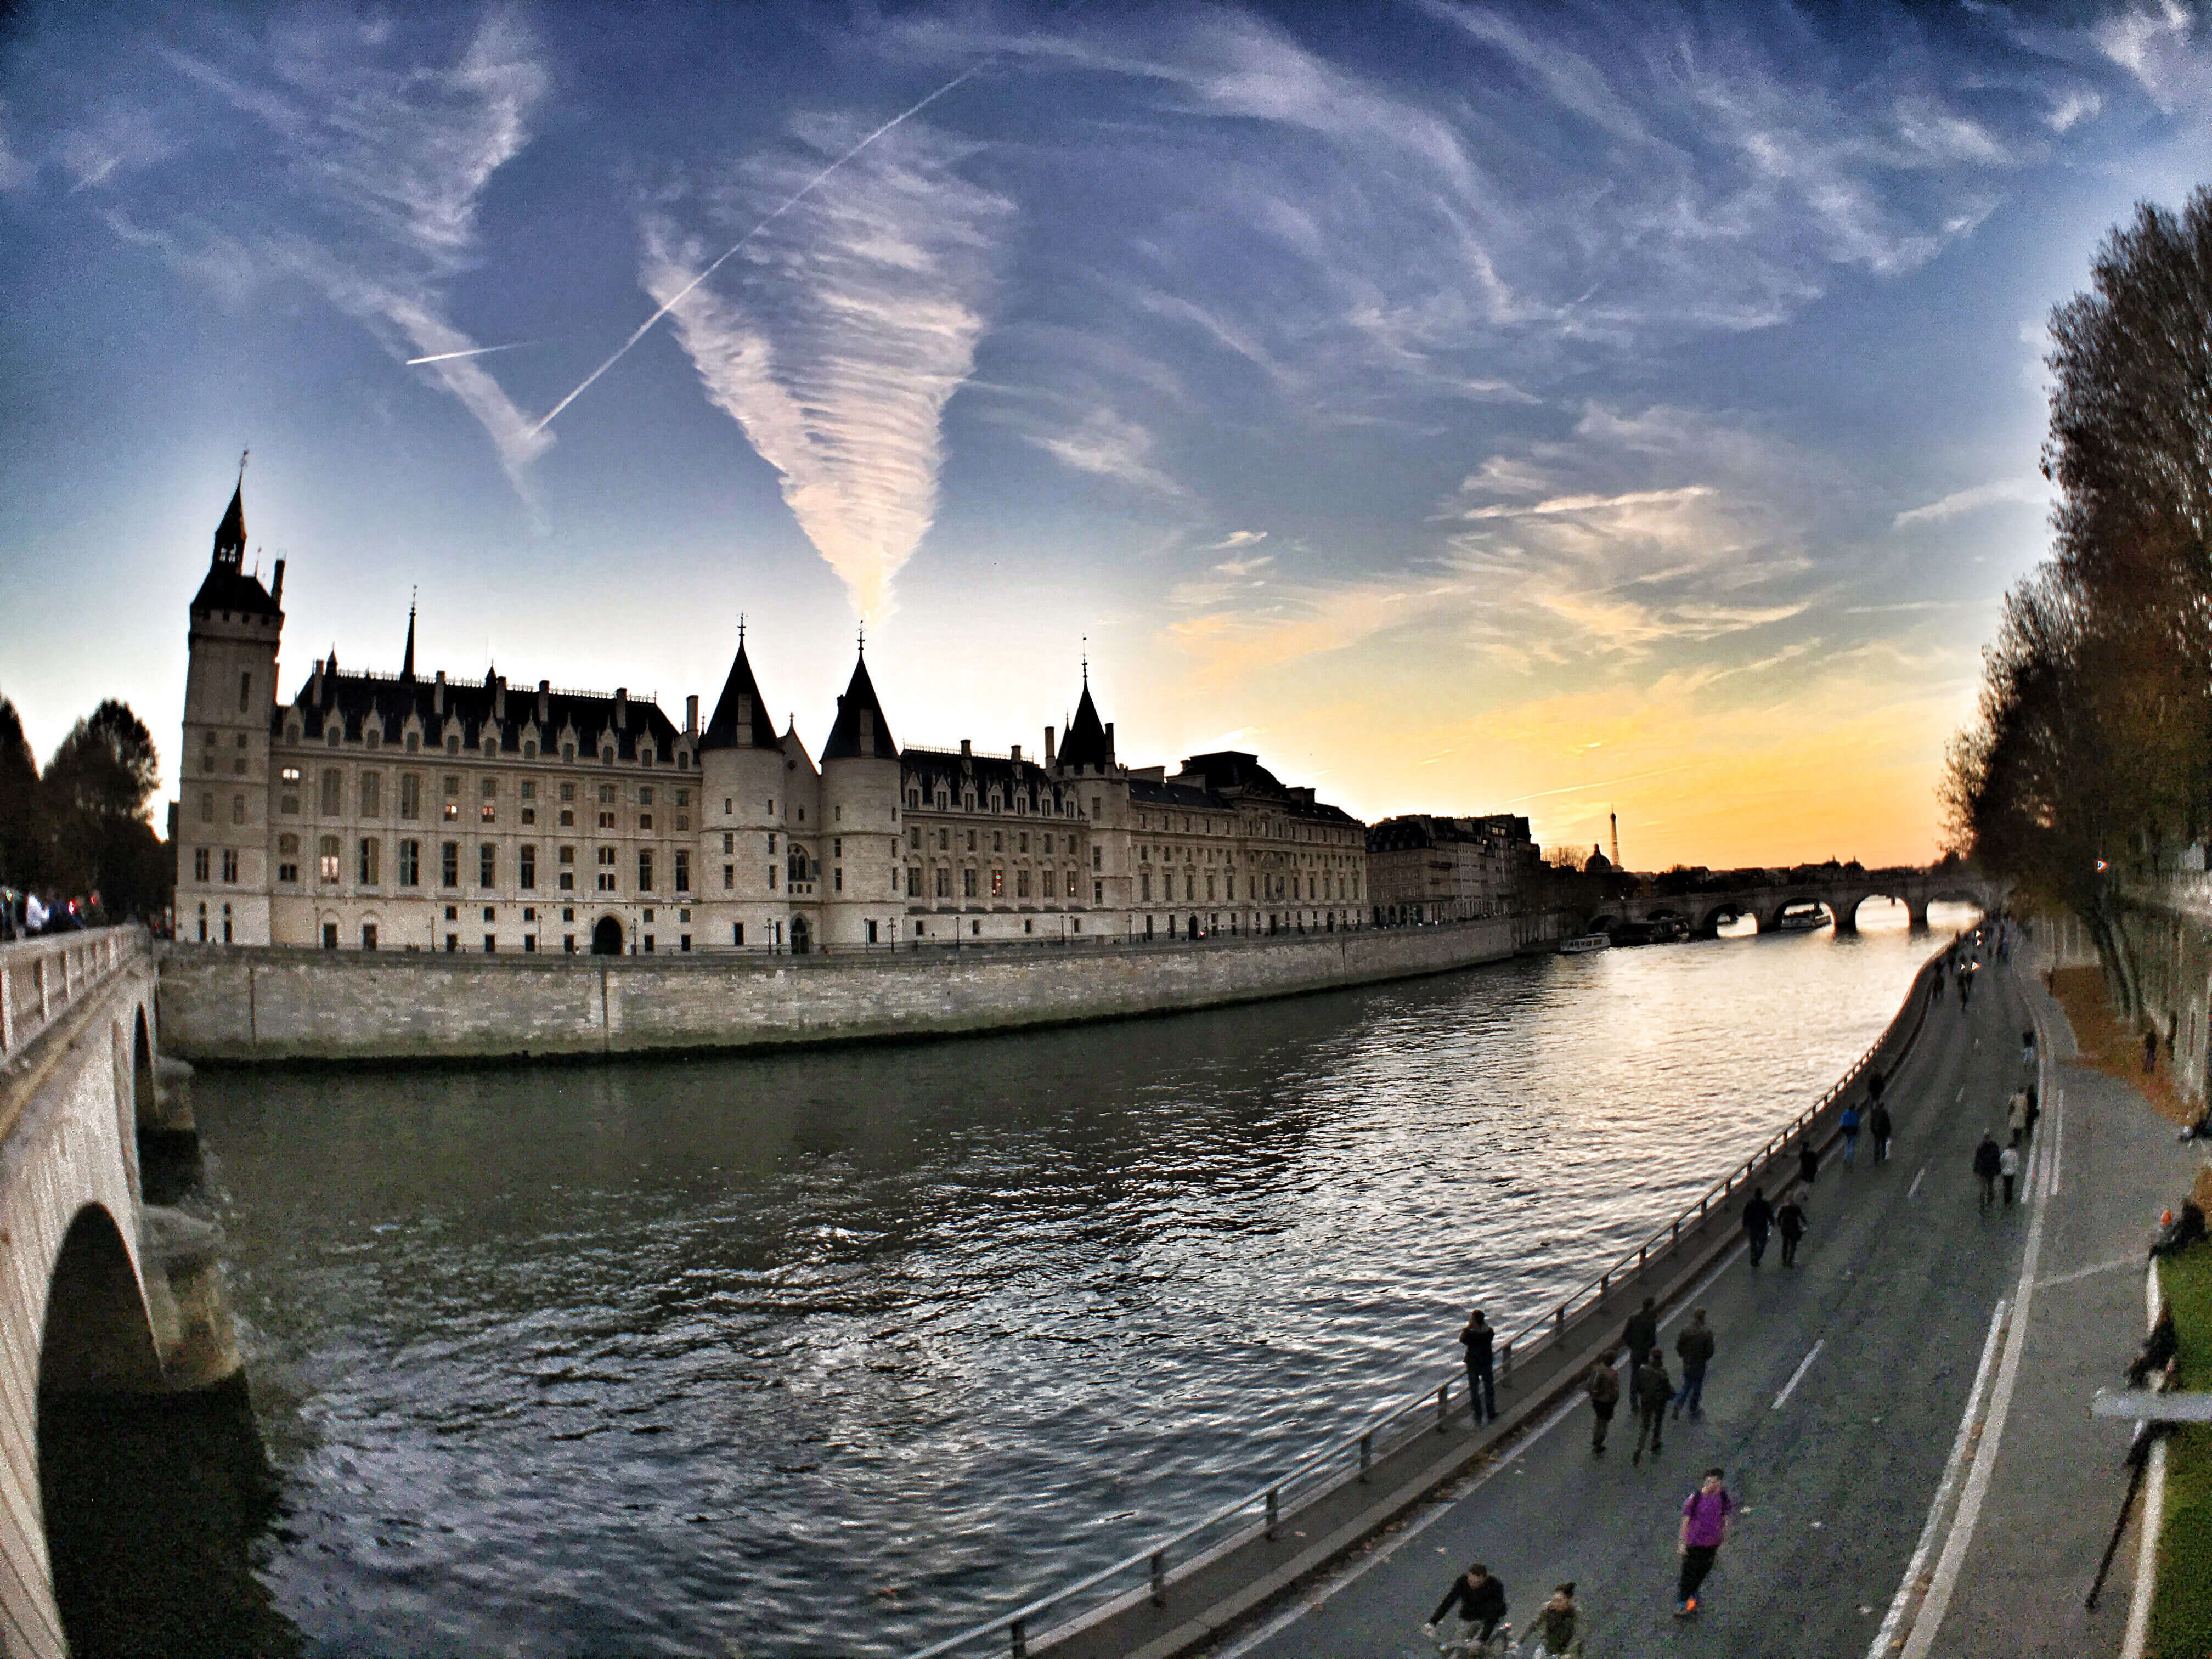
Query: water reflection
{"x": 810, "y": 1354}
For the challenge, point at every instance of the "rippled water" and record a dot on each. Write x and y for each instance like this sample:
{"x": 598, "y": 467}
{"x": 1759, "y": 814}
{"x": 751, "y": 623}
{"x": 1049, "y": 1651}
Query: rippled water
{"x": 833, "y": 1353}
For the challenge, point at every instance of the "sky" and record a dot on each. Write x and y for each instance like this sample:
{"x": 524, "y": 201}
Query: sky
{"x": 1543, "y": 409}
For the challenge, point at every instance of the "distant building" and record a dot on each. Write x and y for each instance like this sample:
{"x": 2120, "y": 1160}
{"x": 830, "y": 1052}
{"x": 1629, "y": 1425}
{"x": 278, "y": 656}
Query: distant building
{"x": 393, "y": 811}
{"x": 1428, "y": 869}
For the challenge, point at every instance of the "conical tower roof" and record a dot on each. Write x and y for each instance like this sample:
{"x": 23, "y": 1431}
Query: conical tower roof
{"x": 741, "y": 720}
{"x": 226, "y": 586}
{"x": 1086, "y": 743}
{"x": 230, "y": 534}
{"x": 861, "y": 730}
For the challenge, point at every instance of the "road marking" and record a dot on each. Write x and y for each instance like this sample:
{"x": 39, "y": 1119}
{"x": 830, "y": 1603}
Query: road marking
{"x": 1914, "y": 1189}
{"x": 1359, "y": 1569}
{"x": 2154, "y": 1514}
{"x": 2088, "y": 1272}
{"x": 1798, "y": 1376}
{"x": 1886, "y": 1638}
{"x": 1960, "y": 1095}
{"x": 1945, "y": 1579}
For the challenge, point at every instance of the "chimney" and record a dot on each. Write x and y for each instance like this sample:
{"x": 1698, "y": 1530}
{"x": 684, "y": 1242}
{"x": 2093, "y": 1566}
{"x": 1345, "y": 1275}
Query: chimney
{"x": 1109, "y": 742}
{"x": 621, "y": 707}
{"x": 1017, "y": 754}
{"x": 438, "y": 694}
{"x": 317, "y": 687}
{"x": 967, "y": 746}
{"x": 1048, "y": 760}
{"x": 692, "y": 715}
{"x": 499, "y": 696}
{"x": 276, "y": 591}
{"x": 544, "y": 702}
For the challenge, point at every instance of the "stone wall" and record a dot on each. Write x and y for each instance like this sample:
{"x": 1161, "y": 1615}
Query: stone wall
{"x": 245, "y": 1005}
{"x": 2165, "y": 935}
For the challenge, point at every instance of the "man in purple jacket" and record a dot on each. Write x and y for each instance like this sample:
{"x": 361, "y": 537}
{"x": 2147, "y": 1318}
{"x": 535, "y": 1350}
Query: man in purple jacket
{"x": 1705, "y": 1514}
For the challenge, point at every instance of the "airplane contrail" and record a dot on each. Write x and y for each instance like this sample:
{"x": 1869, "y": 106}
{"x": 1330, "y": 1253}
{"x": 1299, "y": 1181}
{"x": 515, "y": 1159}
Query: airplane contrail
{"x": 799, "y": 196}
{"x": 473, "y": 351}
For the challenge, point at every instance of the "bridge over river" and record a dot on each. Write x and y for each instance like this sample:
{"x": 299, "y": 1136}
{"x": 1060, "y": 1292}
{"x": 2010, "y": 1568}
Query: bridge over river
{"x": 1838, "y": 890}
{"x": 105, "y": 1297}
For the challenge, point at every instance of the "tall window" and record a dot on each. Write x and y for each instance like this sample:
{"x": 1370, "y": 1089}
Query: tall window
{"x": 606, "y": 871}
{"x": 333, "y": 792}
{"x": 372, "y": 794}
{"x": 207, "y": 807}
{"x": 944, "y": 882}
{"x": 288, "y": 858}
{"x": 644, "y": 869}
{"x": 238, "y": 809}
{"x": 244, "y": 693}
{"x": 683, "y": 871}
{"x": 449, "y": 863}
{"x": 527, "y": 872}
{"x": 487, "y": 865}
{"x": 410, "y": 795}
{"x": 326, "y": 860}
{"x": 410, "y": 864}
{"x": 968, "y": 883}
{"x": 230, "y": 864}
{"x": 370, "y": 848}
{"x": 567, "y": 857}
{"x": 998, "y": 883}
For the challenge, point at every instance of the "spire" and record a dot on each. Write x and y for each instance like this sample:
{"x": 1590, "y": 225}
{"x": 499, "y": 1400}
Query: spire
{"x": 407, "y": 662}
{"x": 741, "y": 720}
{"x": 230, "y": 534}
{"x": 860, "y": 730}
{"x": 1086, "y": 741}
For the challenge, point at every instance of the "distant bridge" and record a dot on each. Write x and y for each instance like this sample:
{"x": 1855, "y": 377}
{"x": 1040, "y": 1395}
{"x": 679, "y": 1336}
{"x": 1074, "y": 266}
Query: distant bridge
{"x": 104, "y": 1296}
{"x": 1839, "y": 890}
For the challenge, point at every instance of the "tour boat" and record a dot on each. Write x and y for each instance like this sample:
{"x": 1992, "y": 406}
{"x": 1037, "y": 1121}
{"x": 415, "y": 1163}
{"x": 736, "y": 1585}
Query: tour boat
{"x": 1586, "y": 944}
{"x": 1800, "y": 921}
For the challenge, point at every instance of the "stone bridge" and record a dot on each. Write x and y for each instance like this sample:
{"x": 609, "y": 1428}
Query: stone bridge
{"x": 1839, "y": 891}
{"x": 104, "y": 1297}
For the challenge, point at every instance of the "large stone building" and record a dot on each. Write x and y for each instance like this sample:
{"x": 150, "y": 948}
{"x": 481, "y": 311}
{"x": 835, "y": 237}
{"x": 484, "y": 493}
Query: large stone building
{"x": 397, "y": 811}
{"x": 1427, "y": 869}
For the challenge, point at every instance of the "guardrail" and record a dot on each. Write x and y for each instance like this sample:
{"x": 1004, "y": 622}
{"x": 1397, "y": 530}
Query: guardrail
{"x": 42, "y": 978}
{"x": 1162, "y": 1561}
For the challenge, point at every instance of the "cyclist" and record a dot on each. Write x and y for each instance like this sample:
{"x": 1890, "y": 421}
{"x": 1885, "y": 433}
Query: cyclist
{"x": 1558, "y": 1628}
{"x": 1478, "y": 1596}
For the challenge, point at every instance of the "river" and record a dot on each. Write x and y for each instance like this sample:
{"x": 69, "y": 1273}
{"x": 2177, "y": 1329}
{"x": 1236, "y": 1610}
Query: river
{"x": 833, "y": 1353}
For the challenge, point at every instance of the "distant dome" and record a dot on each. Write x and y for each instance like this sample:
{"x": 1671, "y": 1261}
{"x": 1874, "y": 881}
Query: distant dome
{"x": 1597, "y": 863}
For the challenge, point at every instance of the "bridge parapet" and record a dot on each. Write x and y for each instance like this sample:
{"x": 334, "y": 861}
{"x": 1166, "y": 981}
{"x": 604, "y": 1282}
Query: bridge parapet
{"x": 42, "y": 979}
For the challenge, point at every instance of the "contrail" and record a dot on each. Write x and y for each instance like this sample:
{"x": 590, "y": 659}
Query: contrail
{"x": 473, "y": 351}
{"x": 801, "y": 195}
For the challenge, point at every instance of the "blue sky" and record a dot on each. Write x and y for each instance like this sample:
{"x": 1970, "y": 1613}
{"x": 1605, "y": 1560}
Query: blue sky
{"x": 1468, "y": 408}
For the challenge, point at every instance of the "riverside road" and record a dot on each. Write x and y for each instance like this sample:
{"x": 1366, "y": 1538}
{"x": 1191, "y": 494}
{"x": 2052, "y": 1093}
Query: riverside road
{"x": 1835, "y": 1401}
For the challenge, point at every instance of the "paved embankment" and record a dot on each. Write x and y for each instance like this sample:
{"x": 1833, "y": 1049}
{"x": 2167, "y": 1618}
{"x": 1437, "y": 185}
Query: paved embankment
{"x": 240, "y": 1006}
{"x": 1839, "y": 1403}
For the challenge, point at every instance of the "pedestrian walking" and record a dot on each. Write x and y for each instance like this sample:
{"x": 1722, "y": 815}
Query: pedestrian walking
{"x": 1640, "y": 1337}
{"x": 1809, "y": 1161}
{"x": 1789, "y": 1222}
{"x": 1758, "y": 1219}
{"x": 1849, "y": 1125}
{"x": 2034, "y": 1109}
{"x": 2028, "y": 1052}
{"x": 1603, "y": 1387}
{"x": 1989, "y": 1163}
{"x": 1880, "y": 1130}
{"x": 2008, "y": 1167}
{"x": 1694, "y": 1347}
{"x": 1654, "y": 1388}
{"x": 2016, "y": 1115}
{"x": 1705, "y": 1515}
{"x": 2150, "y": 1052}
{"x": 1558, "y": 1631}
{"x": 1481, "y": 1385}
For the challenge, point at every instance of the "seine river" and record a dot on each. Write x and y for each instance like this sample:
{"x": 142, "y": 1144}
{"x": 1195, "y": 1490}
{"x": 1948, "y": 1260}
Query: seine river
{"x": 833, "y": 1353}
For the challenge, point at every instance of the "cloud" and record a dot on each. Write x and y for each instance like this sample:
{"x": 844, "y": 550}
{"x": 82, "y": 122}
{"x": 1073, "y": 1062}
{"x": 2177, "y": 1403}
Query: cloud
{"x": 836, "y": 340}
{"x": 1110, "y": 447}
{"x": 369, "y": 150}
{"x": 2156, "y": 45}
{"x": 2032, "y": 491}
{"x": 1235, "y": 539}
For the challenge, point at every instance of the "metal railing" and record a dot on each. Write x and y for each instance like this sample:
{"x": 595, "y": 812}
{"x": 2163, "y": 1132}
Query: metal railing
{"x": 1430, "y": 1401}
{"x": 41, "y": 979}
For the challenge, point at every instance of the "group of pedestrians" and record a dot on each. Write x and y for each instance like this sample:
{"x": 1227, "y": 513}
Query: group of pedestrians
{"x": 1994, "y": 1164}
{"x": 24, "y": 914}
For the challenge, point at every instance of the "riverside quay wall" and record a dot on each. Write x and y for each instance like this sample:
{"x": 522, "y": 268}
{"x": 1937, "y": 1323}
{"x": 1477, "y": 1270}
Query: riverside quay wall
{"x": 257, "y": 1005}
{"x": 2162, "y": 932}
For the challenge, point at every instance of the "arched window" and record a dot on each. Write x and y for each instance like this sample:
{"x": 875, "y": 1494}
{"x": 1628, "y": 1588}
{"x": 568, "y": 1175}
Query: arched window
{"x": 796, "y": 866}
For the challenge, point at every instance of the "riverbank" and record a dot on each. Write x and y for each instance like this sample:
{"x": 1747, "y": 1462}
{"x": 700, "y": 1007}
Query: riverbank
{"x": 236, "y": 1006}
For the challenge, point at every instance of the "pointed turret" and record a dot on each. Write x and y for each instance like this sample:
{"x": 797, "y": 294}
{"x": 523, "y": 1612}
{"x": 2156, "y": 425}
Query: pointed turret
{"x": 1088, "y": 742}
{"x": 407, "y": 660}
{"x": 741, "y": 720}
{"x": 230, "y": 534}
{"x": 860, "y": 729}
{"x": 227, "y": 586}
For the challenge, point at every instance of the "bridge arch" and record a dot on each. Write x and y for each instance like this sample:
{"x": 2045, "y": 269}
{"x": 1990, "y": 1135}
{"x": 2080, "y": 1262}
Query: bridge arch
{"x": 95, "y": 1337}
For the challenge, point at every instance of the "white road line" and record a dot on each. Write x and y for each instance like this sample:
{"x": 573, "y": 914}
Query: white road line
{"x": 1952, "y": 1467}
{"x": 1913, "y": 1191}
{"x": 2153, "y": 1515}
{"x": 1798, "y": 1376}
{"x": 1945, "y": 1579}
{"x": 2090, "y": 1272}
{"x": 1290, "y": 1616}
{"x": 1960, "y": 1095}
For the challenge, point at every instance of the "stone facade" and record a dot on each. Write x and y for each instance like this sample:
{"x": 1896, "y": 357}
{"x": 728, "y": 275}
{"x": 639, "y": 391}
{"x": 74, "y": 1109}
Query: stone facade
{"x": 414, "y": 813}
{"x": 1427, "y": 869}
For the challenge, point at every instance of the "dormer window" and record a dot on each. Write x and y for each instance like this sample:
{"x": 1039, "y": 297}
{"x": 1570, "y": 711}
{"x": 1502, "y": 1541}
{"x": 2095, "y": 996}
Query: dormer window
{"x": 683, "y": 760}
{"x": 372, "y": 738}
{"x": 453, "y": 743}
{"x": 490, "y": 747}
{"x": 291, "y": 734}
{"x": 567, "y": 751}
{"x": 607, "y": 756}
{"x": 414, "y": 742}
{"x": 530, "y": 749}
{"x": 332, "y": 733}
{"x": 645, "y": 757}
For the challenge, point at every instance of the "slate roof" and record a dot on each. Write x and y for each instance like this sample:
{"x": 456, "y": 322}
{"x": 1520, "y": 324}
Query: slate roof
{"x": 353, "y": 697}
{"x": 227, "y": 587}
{"x": 925, "y": 769}
{"x": 1232, "y": 775}
{"x": 1084, "y": 743}
{"x": 861, "y": 730}
{"x": 740, "y": 692}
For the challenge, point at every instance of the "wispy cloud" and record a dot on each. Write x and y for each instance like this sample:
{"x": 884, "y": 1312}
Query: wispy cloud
{"x": 1236, "y": 539}
{"x": 2032, "y": 491}
{"x": 837, "y": 337}
{"x": 1108, "y": 446}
